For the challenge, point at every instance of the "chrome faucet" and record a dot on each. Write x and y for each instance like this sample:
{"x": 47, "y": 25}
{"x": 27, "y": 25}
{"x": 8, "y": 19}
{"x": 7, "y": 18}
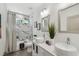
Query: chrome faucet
{"x": 68, "y": 41}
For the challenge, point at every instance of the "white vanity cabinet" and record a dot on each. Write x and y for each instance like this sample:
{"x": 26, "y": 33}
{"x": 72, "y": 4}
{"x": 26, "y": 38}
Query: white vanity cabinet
{"x": 39, "y": 51}
{"x": 42, "y": 52}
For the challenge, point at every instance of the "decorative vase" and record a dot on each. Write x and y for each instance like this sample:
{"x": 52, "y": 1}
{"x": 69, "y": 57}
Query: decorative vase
{"x": 50, "y": 42}
{"x": 51, "y": 33}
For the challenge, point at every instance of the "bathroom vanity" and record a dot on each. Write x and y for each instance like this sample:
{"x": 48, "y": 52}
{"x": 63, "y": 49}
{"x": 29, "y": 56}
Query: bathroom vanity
{"x": 42, "y": 49}
{"x": 57, "y": 49}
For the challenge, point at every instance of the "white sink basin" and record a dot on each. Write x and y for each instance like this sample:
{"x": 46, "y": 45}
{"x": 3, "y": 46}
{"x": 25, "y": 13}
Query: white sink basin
{"x": 39, "y": 39}
{"x": 62, "y": 49}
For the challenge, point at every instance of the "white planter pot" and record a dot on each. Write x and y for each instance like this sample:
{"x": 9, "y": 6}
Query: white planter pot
{"x": 52, "y": 41}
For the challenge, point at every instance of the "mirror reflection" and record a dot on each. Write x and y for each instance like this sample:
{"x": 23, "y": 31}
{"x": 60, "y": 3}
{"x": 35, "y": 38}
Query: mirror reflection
{"x": 69, "y": 19}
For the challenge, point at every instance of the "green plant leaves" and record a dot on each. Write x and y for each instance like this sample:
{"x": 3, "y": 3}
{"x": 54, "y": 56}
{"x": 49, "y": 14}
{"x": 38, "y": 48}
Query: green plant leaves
{"x": 51, "y": 31}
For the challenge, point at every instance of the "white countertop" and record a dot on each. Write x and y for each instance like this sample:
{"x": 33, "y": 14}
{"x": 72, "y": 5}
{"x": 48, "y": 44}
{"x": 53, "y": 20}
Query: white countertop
{"x": 48, "y": 48}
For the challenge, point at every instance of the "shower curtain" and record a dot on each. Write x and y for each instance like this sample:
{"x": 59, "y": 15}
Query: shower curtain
{"x": 10, "y": 32}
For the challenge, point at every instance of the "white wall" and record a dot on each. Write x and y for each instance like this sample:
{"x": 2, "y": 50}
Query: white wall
{"x": 3, "y": 12}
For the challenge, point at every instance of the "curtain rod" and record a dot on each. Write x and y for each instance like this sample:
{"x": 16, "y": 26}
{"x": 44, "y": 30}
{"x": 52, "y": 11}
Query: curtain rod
{"x": 18, "y": 13}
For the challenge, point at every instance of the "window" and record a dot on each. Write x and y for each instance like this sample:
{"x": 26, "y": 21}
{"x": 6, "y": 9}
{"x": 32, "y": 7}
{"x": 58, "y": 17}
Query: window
{"x": 20, "y": 19}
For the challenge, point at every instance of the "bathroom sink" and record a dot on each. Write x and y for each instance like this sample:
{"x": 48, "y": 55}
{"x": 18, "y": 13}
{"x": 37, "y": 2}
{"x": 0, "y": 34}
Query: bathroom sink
{"x": 63, "y": 49}
{"x": 39, "y": 39}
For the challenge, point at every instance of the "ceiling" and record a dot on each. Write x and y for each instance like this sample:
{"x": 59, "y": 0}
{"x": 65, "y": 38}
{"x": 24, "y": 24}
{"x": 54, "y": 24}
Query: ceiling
{"x": 27, "y": 8}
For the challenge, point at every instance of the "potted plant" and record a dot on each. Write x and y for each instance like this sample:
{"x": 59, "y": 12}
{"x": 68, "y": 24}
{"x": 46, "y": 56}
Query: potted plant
{"x": 51, "y": 30}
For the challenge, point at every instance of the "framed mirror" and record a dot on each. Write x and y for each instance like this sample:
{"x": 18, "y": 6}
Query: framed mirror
{"x": 44, "y": 23}
{"x": 69, "y": 19}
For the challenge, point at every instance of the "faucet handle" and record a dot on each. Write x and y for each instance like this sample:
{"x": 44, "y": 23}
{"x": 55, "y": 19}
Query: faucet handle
{"x": 68, "y": 40}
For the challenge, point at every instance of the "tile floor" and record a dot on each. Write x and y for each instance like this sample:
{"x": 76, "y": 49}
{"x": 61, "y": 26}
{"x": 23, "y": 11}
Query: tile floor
{"x": 25, "y": 52}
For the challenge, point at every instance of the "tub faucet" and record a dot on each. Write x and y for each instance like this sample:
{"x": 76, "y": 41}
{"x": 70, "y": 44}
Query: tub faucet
{"x": 68, "y": 41}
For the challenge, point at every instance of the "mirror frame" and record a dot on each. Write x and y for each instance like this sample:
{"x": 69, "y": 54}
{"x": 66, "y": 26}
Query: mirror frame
{"x": 59, "y": 30}
{"x": 42, "y": 19}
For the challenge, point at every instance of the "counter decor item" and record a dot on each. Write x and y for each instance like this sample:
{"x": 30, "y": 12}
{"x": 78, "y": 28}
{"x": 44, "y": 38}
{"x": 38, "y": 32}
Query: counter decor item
{"x": 51, "y": 30}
